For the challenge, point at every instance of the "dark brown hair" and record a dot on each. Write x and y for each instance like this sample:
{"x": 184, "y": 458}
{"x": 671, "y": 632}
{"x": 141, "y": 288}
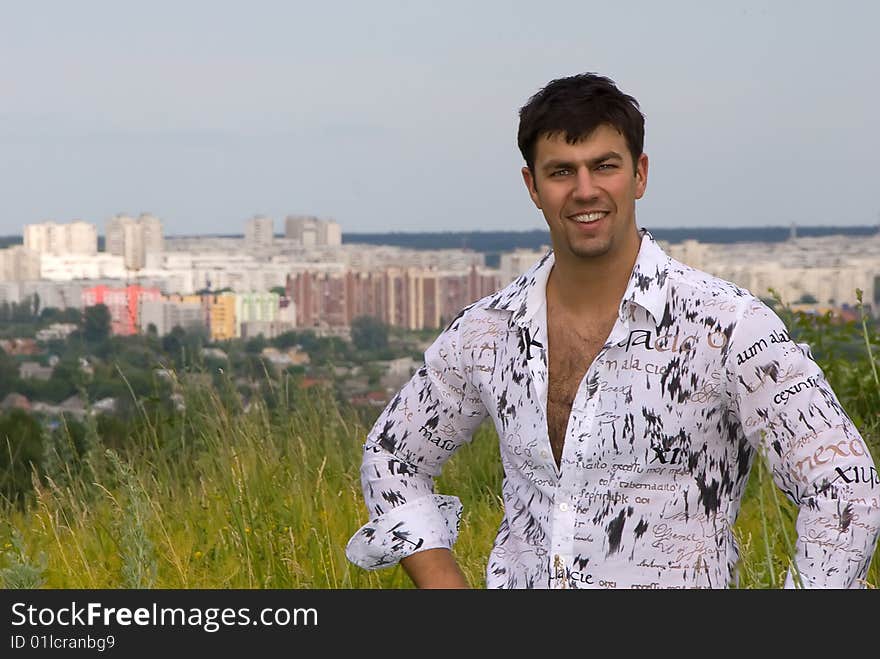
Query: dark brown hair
{"x": 576, "y": 106}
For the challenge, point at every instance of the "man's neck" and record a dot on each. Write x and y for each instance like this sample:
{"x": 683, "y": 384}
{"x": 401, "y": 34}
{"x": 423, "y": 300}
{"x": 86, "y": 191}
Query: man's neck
{"x": 586, "y": 287}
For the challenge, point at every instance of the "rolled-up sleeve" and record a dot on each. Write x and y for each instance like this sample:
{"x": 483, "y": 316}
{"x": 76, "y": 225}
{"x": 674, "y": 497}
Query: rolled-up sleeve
{"x": 788, "y": 411}
{"x": 433, "y": 415}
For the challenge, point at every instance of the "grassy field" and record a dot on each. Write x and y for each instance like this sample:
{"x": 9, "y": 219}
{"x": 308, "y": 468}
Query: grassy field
{"x": 215, "y": 498}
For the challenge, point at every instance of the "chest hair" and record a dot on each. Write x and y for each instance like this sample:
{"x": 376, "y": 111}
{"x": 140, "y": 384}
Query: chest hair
{"x": 572, "y": 348}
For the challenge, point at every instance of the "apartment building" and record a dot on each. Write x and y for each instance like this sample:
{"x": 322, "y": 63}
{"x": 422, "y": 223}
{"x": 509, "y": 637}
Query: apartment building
{"x": 124, "y": 304}
{"x": 828, "y": 269}
{"x": 259, "y": 232}
{"x": 133, "y": 238}
{"x": 19, "y": 263}
{"x": 75, "y": 237}
{"x": 165, "y": 314}
{"x": 413, "y": 298}
{"x": 310, "y": 231}
{"x": 222, "y": 323}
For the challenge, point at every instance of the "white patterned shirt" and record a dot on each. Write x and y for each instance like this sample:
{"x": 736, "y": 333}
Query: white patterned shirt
{"x": 696, "y": 376}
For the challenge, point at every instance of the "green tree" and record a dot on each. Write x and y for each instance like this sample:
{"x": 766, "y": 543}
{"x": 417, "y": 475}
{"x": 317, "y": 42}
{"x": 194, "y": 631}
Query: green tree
{"x": 256, "y": 344}
{"x": 21, "y": 451}
{"x": 285, "y": 340}
{"x": 369, "y": 334}
{"x": 96, "y": 323}
{"x": 8, "y": 374}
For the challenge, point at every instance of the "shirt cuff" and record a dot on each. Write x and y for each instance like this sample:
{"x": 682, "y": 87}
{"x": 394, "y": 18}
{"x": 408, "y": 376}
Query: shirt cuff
{"x": 429, "y": 522}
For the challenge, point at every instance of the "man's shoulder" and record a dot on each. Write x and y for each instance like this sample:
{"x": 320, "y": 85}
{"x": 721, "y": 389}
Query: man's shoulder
{"x": 707, "y": 288}
{"x": 487, "y": 309}
{"x": 735, "y": 310}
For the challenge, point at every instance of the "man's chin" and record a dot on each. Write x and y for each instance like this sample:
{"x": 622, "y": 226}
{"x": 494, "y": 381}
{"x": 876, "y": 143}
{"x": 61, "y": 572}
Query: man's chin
{"x": 590, "y": 251}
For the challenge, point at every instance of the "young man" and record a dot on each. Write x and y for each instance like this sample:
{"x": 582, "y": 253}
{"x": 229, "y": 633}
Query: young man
{"x": 630, "y": 393}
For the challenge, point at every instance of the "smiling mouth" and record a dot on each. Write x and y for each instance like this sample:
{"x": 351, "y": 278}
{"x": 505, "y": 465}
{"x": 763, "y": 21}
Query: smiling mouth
{"x": 588, "y": 218}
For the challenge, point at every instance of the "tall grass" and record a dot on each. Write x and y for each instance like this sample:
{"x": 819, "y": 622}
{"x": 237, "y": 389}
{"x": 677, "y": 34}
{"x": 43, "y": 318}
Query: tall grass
{"x": 221, "y": 497}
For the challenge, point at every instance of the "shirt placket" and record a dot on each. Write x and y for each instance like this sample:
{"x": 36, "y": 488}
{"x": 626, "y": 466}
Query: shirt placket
{"x": 564, "y": 515}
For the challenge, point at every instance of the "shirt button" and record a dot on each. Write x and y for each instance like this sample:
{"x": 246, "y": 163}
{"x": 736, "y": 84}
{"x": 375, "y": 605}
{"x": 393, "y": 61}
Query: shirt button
{"x": 563, "y": 506}
{"x": 544, "y": 454}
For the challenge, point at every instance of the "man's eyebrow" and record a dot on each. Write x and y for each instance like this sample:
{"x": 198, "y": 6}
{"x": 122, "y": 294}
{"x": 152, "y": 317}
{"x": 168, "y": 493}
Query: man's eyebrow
{"x": 555, "y": 164}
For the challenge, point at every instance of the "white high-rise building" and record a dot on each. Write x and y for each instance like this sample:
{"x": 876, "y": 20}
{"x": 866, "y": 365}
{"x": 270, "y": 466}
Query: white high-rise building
{"x": 18, "y": 263}
{"x": 133, "y": 238}
{"x": 259, "y": 231}
{"x": 152, "y": 231}
{"x": 303, "y": 228}
{"x": 313, "y": 232}
{"x": 75, "y": 237}
{"x": 329, "y": 233}
{"x": 515, "y": 263}
{"x": 114, "y": 238}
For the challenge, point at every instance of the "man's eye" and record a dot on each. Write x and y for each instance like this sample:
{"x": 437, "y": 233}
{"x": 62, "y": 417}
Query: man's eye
{"x": 560, "y": 172}
{"x": 607, "y": 165}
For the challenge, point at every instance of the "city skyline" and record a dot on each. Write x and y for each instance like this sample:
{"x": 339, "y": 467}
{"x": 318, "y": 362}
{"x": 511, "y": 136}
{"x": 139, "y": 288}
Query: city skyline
{"x": 403, "y": 118}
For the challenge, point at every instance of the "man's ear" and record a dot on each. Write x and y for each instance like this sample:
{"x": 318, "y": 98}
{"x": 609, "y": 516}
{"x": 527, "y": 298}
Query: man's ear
{"x": 641, "y": 175}
{"x": 529, "y": 180}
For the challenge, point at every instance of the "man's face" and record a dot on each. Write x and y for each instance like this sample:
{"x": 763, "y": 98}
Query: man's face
{"x": 587, "y": 192}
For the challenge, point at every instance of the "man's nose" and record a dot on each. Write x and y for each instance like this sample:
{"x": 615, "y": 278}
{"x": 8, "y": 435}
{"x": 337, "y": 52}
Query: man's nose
{"x": 585, "y": 188}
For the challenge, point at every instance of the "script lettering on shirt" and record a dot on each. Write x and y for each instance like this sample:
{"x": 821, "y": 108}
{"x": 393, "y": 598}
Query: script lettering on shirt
{"x": 828, "y": 452}
{"x": 682, "y": 553}
{"x": 808, "y": 437}
{"x": 583, "y": 538}
{"x": 573, "y": 575}
{"x": 785, "y": 394}
{"x": 404, "y": 412}
{"x": 590, "y": 497}
{"x": 666, "y": 456}
{"x": 479, "y": 327}
{"x": 708, "y": 391}
{"x": 675, "y": 343}
{"x": 633, "y": 466}
{"x": 837, "y": 523}
{"x": 720, "y": 304}
{"x": 517, "y": 447}
{"x": 690, "y": 546}
{"x": 663, "y": 487}
{"x": 439, "y": 442}
{"x": 781, "y": 336}
{"x": 670, "y": 565}
{"x": 589, "y": 464}
{"x": 485, "y": 368}
{"x": 757, "y": 347}
{"x": 764, "y": 377}
{"x": 478, "y": 351}
{"x": 625, "y": 389}
{"x": 633, "y": 364}
{"x": 527, "y": 468}
{"x": 833, "y": 543}
{"x": 440, "y": 376}
{"x": 859, "y": 474}
{"x": 873, "y": 502}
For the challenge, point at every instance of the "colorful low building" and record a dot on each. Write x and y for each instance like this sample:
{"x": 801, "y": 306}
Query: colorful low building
{"x": 223, "y": 324}
{"x": 123, "y": 303}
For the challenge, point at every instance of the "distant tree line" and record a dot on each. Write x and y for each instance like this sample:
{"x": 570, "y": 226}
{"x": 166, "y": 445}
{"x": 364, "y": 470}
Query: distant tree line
{"x": 504, "y": 241}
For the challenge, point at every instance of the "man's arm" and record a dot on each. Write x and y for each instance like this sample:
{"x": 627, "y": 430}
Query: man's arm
{"x": 434, "y": 414}
{"x": 434, "y": 568}
{"x": 816, "y": 455}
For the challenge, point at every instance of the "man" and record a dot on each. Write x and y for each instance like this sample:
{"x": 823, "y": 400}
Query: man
{"x": 630, "y": 393}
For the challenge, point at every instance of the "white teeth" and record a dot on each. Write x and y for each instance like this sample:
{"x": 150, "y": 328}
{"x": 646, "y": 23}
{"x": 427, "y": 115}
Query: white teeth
{"x": 589, "y": 217}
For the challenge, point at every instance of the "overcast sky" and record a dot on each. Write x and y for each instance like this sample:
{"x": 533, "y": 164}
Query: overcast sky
{"x": 402, "y": 116}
